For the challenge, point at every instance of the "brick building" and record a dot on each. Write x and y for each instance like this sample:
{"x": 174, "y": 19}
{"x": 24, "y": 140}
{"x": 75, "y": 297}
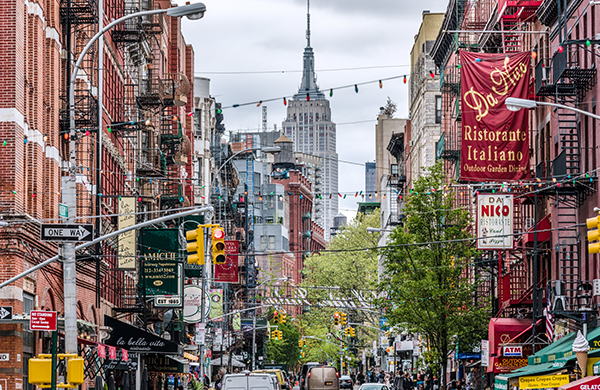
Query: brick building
{"x": 144, "y": 153}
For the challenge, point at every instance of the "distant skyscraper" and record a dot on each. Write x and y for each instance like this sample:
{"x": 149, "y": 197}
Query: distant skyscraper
{"x": 309, "y": 126}
{"x": 370, "y": 182}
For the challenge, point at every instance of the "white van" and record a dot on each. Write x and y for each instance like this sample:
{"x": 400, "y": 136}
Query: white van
{"x": 250, "y": 382}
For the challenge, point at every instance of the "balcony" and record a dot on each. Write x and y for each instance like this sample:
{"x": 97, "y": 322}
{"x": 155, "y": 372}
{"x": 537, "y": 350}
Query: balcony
{"x": 306, "y": 234}
{"x": 306, "y": 216}
{"x": 448, "y": 147}
{"x": 567, "y": 77}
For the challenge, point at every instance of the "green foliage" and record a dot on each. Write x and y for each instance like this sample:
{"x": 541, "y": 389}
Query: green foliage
{"x": 430, "y": 287}
{"x": 286, "y": 350}
{"x": 343, "y": 271}
{"x": 346, "y": 270}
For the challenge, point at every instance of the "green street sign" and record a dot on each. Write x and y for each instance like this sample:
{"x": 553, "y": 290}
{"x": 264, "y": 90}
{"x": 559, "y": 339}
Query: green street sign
{"x": 63, "y": 210}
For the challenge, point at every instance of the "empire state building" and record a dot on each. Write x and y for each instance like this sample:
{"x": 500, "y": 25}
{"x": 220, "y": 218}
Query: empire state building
{"x": 308, "y": 124}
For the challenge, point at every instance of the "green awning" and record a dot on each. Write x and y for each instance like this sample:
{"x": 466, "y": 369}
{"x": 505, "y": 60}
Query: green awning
{"x": 501, "y": 382}
{"x": 537, "y": 369}
{"x": 564, "y": 348}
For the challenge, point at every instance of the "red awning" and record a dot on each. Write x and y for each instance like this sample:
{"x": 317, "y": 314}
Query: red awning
{"x": 518, "y": 339}
{"x": 544, "y": 236}
{"x": 587, "y": 383}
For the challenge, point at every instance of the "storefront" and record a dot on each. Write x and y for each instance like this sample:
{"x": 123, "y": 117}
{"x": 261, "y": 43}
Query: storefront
{"x": 553, "y": 367}
{"x": 587, "y": 383}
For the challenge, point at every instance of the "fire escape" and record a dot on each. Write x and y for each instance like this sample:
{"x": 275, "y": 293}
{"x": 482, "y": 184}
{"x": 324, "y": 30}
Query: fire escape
{"x": 566, "y": 82}
{"x": 511, "y": 15}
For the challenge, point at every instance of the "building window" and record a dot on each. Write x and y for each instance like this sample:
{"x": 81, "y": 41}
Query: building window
{"x": 263, "y": 243}
{"x": 438, "y": 109}
{"x": 394, "y": 169}
{"x": 272, "y": 243}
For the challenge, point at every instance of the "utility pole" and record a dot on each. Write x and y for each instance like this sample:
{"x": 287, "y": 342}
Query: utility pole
{"x": 207, "y": 259}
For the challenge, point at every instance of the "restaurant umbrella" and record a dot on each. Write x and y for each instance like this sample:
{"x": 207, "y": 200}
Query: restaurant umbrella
{"x": 126, "y": 381}
{"x": 99, "y": 383}
{"x": 111, "y": 382}
{"x": 144, "y": 382}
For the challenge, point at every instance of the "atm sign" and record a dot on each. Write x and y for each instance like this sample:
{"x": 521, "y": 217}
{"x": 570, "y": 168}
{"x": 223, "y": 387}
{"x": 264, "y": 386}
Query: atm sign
{"x": 512, "y": 351}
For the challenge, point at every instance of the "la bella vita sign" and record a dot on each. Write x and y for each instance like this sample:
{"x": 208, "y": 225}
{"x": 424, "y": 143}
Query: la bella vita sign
{"x": 495, "y": 221}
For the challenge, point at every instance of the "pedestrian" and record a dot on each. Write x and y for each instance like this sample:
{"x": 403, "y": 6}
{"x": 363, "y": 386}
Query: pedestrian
{"x": 398, "y": 381}
{"x": 361, "y": 378}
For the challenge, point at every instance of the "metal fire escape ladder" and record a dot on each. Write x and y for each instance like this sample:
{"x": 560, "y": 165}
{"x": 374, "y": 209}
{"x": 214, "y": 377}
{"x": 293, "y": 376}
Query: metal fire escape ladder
{"x": 250, "y": 260}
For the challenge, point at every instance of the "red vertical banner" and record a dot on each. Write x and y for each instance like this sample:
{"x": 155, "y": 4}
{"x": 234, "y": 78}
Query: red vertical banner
{"x": 495, "y": 141}
{"x": 102, "y": 351}
{"x": 228, "y": 272}
{"x": 125, "y": 355}
{"x": 112, "y": 353}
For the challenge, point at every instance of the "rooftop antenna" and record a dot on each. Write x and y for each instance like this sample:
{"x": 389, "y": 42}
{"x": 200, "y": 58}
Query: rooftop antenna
{"x": 308, "y": 22}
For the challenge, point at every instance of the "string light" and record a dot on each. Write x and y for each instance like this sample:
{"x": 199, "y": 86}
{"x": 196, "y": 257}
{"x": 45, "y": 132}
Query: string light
{"x": 560, "y": 49}
{"x": 356, "y": 88}
{"x": 432, "y": 74}
{"x": 380, "y": 84}
{"x": 45, "y": 137}
{"x": 259, "y": 103}
{"x": 284, "y": 101}
{"x": 307, "y": 97}
{"x": 331, "y": 92}
{"x": 404, "y": 79}
{"x": 25, "y": 140}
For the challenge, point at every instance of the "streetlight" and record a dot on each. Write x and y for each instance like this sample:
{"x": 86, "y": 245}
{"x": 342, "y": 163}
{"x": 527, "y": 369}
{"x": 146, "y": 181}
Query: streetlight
{"x": 192, "y": 11}
{"x": 254, "y": 319}
{"x": 516, "y": 104}
{"x": 266, "y": 149}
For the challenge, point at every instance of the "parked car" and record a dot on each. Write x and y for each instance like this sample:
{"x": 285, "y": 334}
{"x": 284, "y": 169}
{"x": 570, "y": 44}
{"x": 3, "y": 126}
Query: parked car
{"x": 304, "y": 371}
{"x": 322, "y": 378}
{"x": 278, "y": 374}
{"x": 248, "y": 381}
{"x": 374, "y": 386}
{"x": 346, "y": 382}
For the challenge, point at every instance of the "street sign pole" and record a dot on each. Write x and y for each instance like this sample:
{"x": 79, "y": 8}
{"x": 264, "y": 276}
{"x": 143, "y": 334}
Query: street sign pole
{"x": 54, "y": 352}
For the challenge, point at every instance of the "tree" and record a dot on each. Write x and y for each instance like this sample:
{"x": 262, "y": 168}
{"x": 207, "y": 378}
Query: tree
{"x": 429, "y": 284}
{"x": 390, "y": 108}
{"x": 349, "y": 266}
{"x": 286, "y": 350}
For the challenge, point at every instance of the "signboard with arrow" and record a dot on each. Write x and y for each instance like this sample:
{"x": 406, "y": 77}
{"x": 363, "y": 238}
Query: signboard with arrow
{"x": 63, "y": 232}
{"x": 6, "y": 312}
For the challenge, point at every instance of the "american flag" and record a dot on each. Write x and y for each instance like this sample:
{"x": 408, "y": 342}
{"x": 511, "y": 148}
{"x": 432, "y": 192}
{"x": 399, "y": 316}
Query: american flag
{"x": 549, "y": 316}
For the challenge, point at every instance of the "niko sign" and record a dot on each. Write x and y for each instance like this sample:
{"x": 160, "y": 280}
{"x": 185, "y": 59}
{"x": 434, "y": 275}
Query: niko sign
{"x": 495, "y": 221}
{"x": 512, "y": 351}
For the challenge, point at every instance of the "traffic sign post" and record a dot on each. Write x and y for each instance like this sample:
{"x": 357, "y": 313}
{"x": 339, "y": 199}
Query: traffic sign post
{"x": 6, "y": 312}
{"x": 64, "y": 232}
{"x": 42, "y": 320}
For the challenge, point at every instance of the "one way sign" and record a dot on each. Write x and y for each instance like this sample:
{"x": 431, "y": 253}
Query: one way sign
{"x": 62, "y": 232}
{"x": 6, "y": 312}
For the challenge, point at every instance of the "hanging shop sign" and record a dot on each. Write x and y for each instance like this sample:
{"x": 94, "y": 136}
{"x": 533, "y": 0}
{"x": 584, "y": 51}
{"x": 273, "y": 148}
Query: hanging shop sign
{"x": 135, "y": 339}
{"x": 485, "y": 353}
{"x": 542, "y": 382}
{"x": 127, "y": 241}
{"x": 228, "y": 271}
{"x": 495, "y": 140}
{"x": 166, "y": 364}
{"x": 512, "y": 350}
{"x": 192, "y": 304}
{"x": 502, "y": 364}
{"x": 216, "y": 304}
{"x": 162, "y": 267}
{"x": 495, "y": 221}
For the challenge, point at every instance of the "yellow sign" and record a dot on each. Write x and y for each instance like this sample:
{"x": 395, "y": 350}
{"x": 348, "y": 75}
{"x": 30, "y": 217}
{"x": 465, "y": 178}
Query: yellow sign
{"x": 127, "y": 242}
{"x": 542, "y": 382}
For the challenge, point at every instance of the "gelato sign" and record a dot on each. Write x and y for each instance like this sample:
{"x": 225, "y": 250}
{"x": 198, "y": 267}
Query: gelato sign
{"x": 542, "y": 382}
{"x": 495, "y": 222}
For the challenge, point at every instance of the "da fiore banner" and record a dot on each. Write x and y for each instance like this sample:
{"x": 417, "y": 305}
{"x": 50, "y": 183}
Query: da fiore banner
{"x": 495, "y": 141}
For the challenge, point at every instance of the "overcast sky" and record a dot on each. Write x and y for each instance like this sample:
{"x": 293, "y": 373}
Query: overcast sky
{"x": 269, "y": 35}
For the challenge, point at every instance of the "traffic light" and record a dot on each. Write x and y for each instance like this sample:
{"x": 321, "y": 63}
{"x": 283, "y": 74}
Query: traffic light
{"x": 343, "y": 319}
{"x": 275, "y": 317}
{"x": 195, "y": 246}
{"x": 40, "y": 371}
{"x": 218, "y": 245}
{"x": 593, "y": 235}
{"x": 282, "y": 318}
{"x": 347, "y": 332}
{"x": 302, "y": 355}
{"x": 303, "y": 343}
{"x": 275, "y": 335}
{"x": 300, "y": 343}
{"x": 279, "y": 335}
{"x": 352, "y": 332}
{"x": 336, "y": 318}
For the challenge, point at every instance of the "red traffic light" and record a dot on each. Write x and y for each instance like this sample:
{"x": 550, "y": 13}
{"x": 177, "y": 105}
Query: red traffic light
{"x": 218, "y": 234}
